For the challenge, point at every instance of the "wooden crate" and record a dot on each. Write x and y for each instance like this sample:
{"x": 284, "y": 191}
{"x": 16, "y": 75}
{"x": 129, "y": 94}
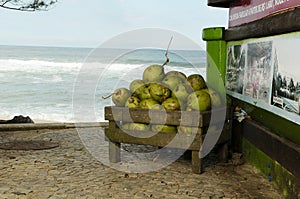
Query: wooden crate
{"x": 200, "y": 122}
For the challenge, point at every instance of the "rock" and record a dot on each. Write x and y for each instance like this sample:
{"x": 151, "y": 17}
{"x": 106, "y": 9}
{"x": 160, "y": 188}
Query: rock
{"x": 17, "y": 119}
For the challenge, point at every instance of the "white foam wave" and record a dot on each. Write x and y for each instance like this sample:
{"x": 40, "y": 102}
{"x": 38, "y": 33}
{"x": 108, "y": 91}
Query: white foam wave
{"x": 37, "y": 65}
{"x": 136, "y": 70}
{"x": 39, "y": 117}
{"x": 187, "y": 70}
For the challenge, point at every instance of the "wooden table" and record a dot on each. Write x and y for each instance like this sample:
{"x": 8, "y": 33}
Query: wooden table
{"x": 189, "y": 141}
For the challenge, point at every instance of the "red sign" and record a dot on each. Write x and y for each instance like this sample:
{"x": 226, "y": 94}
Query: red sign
{"x": 246, "y": 11}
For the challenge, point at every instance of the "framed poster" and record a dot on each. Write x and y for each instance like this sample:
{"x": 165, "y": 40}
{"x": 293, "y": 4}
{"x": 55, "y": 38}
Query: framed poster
{"x": 266, "y": 72}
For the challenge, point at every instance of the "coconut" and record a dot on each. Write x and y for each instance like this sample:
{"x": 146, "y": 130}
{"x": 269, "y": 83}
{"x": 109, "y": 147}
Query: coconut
{"x": 143, "y": 92}
{"x": 153, "y": 73}
{"x": 132, "y": 102}
{"x": 214, "y": 97}
{"x": 187, "y": 129}
{"x": 126, "y": 126}
{"x": 159, "y": 92}
{"x": 181, "y": 92}
{"x": 179, "y": 74}
{"x": 171, "y": 103}
{"x": 135, "y": 126}
{"x": 148, "y": 103}
{"x": 172, "y": 81}
{"x": 164, "y": 128}
{"x": 196, "y": 81}
{"x": 199, "y": 100}
{"x": 135, "y": 85}
{"x": 120, "y": 96}
{"x": 139, "y": 127}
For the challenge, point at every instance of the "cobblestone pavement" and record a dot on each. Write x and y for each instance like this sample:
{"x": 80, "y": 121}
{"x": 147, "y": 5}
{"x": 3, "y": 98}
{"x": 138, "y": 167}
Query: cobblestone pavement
{"x": 70, "y": 171}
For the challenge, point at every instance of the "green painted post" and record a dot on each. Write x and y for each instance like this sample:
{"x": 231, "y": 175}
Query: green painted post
{"x": 216, "y": 56}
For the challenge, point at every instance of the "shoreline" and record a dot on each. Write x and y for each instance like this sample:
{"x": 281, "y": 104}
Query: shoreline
{"x": 53, "y": 125}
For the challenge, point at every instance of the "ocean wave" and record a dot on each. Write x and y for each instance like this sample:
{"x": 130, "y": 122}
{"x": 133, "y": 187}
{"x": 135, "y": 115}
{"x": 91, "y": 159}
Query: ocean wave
{"x": 11, "y": 65}
{"x": 33, "y": 82}
{"x": 37, "y": 65}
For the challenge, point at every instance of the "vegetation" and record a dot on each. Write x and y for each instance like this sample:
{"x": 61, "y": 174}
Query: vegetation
{"x": 27, "y": 5}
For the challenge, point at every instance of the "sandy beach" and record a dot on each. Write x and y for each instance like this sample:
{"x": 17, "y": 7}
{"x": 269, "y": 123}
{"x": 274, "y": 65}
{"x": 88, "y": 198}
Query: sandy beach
{"x": 70, "y": 171}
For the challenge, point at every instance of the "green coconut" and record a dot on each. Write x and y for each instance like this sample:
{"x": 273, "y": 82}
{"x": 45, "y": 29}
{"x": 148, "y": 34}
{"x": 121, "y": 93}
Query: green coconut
{"x": 132, "y": 102}
{"x": 153, "y": 73}
{"x": 171, "y": 103}
{"x": 148, "y": 103}
{"x": 196, "y": 81}
{"x": 159, "y": 92}
{"x": 164, "y": 128}
{"x": 214, "y": 97}
{"x": 199, "y": 100}
{"x": 120, "y": 96}
{"x": 172, "y": 81}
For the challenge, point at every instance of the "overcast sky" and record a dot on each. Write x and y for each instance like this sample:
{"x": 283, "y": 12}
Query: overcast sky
{"x": 89, "y": 23}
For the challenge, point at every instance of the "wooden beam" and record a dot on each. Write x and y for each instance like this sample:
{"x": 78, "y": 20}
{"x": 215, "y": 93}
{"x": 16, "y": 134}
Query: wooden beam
{"x": 220, "y": 3}
{"x": 282, "y": 23}
{"x": 278, "y": 148}
{"x": 176, "y": 118}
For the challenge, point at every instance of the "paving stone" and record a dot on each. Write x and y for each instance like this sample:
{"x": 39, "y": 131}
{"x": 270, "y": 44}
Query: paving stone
{"x": 70, "y": 171}
{"x": 4, "y": 189}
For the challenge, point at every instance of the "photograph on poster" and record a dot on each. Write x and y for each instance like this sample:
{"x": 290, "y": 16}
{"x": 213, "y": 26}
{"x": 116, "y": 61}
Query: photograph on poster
{"x": 258, "y": 74}
{"x": 266, "y": 72}
{"x": 286, "y": 76}
{"x": 236, "y": 59}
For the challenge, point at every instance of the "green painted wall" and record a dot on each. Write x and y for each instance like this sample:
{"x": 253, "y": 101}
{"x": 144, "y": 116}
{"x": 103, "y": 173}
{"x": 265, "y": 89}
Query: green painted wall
{"x": 271, "y": 169}
{"x": 216, "y": 49}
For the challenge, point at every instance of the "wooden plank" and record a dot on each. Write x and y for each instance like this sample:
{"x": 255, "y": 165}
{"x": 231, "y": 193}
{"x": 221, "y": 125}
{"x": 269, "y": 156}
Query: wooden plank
{"x": 163, "y": 139}
{"x": 286, "y": 22}
{"x": 176, "y": 118}
{"x": 278, "y": 148}
{"x": 183, "y": 141}
{"x": 188, "y": 118}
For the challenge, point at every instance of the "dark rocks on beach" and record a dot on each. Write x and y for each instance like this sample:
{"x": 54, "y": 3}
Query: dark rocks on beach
{"x": 17, "y": 119}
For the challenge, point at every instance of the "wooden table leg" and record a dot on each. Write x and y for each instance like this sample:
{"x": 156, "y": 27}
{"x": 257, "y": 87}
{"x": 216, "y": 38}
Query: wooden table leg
{"x": 223, "y": 152}
{"x": 114, "y": 152}
{"x": 196, "y": 162}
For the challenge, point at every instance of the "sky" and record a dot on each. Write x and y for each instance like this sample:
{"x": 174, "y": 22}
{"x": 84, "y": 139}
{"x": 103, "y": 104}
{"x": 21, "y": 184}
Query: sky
{"x": 77, "y": 23}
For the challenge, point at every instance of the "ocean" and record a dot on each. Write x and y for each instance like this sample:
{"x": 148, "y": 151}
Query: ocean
{"x": 45, "y": 82}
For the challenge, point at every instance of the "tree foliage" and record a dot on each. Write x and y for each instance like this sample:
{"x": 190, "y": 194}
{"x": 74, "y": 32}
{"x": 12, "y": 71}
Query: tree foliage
{"x": 27, "y": 5}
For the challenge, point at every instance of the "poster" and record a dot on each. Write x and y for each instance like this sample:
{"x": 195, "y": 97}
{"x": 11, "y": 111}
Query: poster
{"x": 258, "y": 74}
{"x": 236, "y": 68}
{"x": 266, "y": 72}
{"x": 286, "y": 76}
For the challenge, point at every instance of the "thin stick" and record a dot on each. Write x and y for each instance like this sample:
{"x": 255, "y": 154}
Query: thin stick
{"x": 167, "y": 51}
{"x": 106, "y": 97}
